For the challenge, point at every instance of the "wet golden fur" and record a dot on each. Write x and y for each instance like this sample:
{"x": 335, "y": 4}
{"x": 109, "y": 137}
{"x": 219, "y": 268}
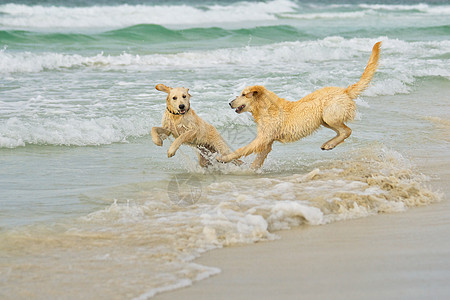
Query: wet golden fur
{"x": 187, "y": 128}
{"x": 280, "y": 120}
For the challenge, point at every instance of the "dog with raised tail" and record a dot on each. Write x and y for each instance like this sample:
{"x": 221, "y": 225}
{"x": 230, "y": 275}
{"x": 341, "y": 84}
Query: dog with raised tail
{"x": 284, "y": 121}
{"x": 186, "y": 127}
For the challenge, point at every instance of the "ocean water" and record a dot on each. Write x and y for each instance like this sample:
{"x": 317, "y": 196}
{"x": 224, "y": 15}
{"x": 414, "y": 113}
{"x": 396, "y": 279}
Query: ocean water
{"x": 90, "y": 208}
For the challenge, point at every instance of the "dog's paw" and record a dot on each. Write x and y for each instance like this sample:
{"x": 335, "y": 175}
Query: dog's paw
{"x": 224, "y": 158}
{"x": 157, "y": 141}
{"x": 328, "y": 146}
{"x": 171, "y": 152}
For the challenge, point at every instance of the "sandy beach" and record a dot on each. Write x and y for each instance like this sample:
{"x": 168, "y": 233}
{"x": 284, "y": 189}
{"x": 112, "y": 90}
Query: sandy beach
{"x": 389, "y": 256}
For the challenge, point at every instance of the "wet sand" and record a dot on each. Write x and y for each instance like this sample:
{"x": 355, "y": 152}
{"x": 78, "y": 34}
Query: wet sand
{"x": 389, "y": 256}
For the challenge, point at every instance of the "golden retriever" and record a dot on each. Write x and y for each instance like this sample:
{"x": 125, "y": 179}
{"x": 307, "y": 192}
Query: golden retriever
{"x": 183, "y": 123}
{"x": 285, "y": 121}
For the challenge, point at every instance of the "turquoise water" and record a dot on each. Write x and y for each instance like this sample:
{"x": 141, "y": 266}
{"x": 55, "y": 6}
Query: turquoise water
{"x": 86, "y": 196}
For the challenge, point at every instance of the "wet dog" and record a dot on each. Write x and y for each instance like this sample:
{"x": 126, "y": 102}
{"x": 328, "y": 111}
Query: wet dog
{"x": 182, "y": 122}
{"x": 284, "y": 121}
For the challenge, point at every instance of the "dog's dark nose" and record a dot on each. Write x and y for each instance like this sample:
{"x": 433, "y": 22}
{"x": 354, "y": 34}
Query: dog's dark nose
{"x": 181, "y": 106}
{"x": 230, "y": 105}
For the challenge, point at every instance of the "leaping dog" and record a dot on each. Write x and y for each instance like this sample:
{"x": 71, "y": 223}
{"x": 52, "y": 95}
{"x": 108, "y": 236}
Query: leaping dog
{"x": 182, "y": 122}
{"x": 284, "y": 121}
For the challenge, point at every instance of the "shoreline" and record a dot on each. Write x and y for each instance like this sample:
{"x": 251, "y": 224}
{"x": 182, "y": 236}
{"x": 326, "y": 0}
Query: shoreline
{"x": 402, "y": 255}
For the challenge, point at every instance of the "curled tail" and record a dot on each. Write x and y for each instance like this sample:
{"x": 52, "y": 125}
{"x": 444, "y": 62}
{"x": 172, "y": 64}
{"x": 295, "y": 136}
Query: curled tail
{"x": 354, "y": 90}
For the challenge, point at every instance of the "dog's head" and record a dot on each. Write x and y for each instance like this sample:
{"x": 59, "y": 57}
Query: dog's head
{"x": 177, "y": 98}
{"x": 248, "y": 99}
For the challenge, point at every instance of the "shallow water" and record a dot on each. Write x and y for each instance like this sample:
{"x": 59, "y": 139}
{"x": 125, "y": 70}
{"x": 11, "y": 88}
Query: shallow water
{"x": 87, "y": 200}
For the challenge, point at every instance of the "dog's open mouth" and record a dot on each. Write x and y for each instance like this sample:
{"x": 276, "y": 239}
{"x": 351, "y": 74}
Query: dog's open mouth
{"x": 240, "y": 108}
{"x": 183, "y": 111}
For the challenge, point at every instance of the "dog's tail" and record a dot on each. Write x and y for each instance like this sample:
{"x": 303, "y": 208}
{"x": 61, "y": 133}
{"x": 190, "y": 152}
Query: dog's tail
{"x": 354, "y": 90}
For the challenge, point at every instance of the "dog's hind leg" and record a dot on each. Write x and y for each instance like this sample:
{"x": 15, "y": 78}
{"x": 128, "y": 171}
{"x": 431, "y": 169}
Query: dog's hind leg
{"x": 342, "y": 132}
{"x": 259, "y": 160}
{"x": 202, "y": 158}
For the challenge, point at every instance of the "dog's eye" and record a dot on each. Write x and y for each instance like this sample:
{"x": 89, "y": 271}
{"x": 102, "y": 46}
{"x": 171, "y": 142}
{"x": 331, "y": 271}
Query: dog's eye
{"x": 184, "y": 96}
{"x": 243, "y": 94}
{"x": 174, "y": 98}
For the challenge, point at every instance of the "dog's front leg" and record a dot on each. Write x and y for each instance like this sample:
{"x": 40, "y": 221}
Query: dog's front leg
{"x": 256, "y": 144}
{"x": 158, "y": 135}
{"x": 186, "y": 137}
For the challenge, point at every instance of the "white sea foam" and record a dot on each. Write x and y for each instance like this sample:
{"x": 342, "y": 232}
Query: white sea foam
{"x": 324, "y": 15}
{"x": 288, "y": 214}
{"x": 422, "y": 7}
{"x": 16, "y": 16}
{"x": 99, "y": 121}
{"x": 60, "y": 18}
{"x": 144, "y": 242}
{"x": 374, "y": 180}
{"x": 204, "y": 272}
{"x": 17, "y": 132}
{"x": 395, "y": 52}
{"x": 364, "y": 10}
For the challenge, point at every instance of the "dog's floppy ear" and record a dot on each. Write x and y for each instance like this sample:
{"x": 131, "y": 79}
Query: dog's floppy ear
{"x": 161, "y": 87}
{"x": 255, "y": 91}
